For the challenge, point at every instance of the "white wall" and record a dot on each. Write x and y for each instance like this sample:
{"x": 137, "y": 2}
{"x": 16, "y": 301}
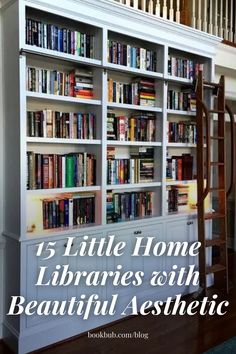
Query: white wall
{"x": 226, "y": 65}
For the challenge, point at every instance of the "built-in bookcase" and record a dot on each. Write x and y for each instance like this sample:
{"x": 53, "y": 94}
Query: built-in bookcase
{"x": 51, "y": 129}
{"x": 126, "y": 82}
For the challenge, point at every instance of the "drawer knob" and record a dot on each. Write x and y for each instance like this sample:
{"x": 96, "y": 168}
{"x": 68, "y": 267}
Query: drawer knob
{"x": 190, "y": 223}
{"x": 138, "y": 232}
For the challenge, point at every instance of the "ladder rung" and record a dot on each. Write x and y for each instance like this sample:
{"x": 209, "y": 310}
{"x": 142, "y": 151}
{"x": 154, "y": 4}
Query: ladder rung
{"x": 215, "y": 111}
{"x": 215, "y": 189}
{"x": 215, "y": 268}
{"x": 216, "y": 163}
{"x": 209, "y": 216}
{"x": 217, "y": 137}
{"x": 211, "y": 84}
{"x": 215, "y": 242}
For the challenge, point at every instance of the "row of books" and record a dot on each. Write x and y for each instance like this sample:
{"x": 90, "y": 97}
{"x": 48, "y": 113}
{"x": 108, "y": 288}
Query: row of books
{"x": 130, "y": 56}
{"x": 179, "y": 168}
{"x": 185, "y": 68}
{"x": 182, "y": 132}
{"x": 69, "y": 210}
{"x": 124, "y": 171}
{"x": 137, "y": 127}
{"x": 63, "y": 40}
{"x": 180, "y": 100}
{"x": 77, "y": 83}
{"x": 177, "y": 198}
{"x": 139, "y": 168}
{"x": 140, "y": 92}
{"x": 128, "y": 206}
{"x": 60, "y": 171}
{"x": 53, "y": 124}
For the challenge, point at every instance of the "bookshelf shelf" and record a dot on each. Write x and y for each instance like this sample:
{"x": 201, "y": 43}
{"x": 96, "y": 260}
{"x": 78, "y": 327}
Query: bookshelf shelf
{"x": 133, "y": 185}
{"x": 133, "y": 107}
{"x": 60, "y": 56}
{"x": 133, "y": 143}
{"x": 178, "y": 80}
{"x": 122, "y": 68}
{"x": 63, "y": 190}
{"x": 64, "y": 99}
{"x": 181, "y": 145}
{"x": 65, "y": 231}
{"x": 181, "y": 113}
{"x": 174, "y": 183}
{"x": 39, "y": 140}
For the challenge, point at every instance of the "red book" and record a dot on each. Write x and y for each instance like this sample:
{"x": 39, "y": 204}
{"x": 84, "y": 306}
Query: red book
{"x": 45, "y": 170}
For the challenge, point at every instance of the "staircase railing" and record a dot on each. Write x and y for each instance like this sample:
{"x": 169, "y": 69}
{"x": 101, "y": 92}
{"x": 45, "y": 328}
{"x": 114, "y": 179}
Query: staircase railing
{"x": 217, "y": 17}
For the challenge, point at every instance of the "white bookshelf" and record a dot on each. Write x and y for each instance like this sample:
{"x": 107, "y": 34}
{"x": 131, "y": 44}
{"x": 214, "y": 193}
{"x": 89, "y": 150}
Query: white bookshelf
{"x": 133, "y": 107}
{"x": 60, "y": 98}
{"x": 23, "y": 210}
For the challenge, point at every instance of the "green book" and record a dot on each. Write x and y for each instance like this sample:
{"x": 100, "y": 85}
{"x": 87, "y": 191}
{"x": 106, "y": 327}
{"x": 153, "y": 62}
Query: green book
{"x": 70, "y": 168}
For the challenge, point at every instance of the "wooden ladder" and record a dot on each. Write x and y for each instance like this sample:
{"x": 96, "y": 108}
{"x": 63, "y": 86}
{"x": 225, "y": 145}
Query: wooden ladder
{"x": 217, "y": 266}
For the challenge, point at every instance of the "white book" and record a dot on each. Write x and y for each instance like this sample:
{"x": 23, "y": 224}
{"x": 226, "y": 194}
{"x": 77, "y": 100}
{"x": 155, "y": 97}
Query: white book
{"x": 63, "y": 172}
{"x": 71, "y": 212}
{"x": 131, "y": 168}
{"x": 40, "y": 81}
{"x": 45, "y": 124}
{"x": 128, "y": 56}
{"x": 173, "y": 169}
{"x": 48, "y": 81}
{"x": 142, "y": 58}
{"x": 37, "y": 80}
{"x": 45, "y": 35}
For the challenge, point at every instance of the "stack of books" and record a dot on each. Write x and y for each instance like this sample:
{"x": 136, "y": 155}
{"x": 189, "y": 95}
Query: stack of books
{"x": 68, "y": 210}
{"x": 130, "y": 56}
{"x": 177, "y": 198}
{"x": 146, "y": 92}
{"x": 76, "y": 83}
{"x": 128, "y": 206}
{"x": 140, "y": 92}
{"x": 60, "y": 171}
{"x": 83, "y": 84}
{"x": 52, "y": 124}
{"x": 63, "y": 40}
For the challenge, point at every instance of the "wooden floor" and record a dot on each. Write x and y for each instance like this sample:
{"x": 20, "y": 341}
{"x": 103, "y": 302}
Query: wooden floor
{"x": 170, "y": 335}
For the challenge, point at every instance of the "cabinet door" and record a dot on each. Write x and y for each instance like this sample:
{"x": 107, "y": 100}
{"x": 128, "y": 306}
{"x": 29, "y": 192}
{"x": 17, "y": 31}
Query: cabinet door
{"x": 87, "y": 264}
{"x": 139, "y": 263}
{"x": 181, "y": 231}
{"x": 44, "y": 292}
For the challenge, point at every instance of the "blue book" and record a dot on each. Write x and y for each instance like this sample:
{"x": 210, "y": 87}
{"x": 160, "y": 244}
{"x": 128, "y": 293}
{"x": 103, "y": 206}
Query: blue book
{"x": 66, "y": 206}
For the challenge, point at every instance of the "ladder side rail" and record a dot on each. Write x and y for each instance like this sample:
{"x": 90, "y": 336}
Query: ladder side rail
{"x": 200, "y": 184}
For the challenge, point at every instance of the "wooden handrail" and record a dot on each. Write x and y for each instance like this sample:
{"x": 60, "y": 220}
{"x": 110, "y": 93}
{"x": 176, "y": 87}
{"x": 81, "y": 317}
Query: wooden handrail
{"x": 232, "y": 136}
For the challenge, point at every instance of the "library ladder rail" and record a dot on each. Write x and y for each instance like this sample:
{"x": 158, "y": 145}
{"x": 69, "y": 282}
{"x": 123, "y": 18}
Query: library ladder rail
{"x": 213, "y": 252}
